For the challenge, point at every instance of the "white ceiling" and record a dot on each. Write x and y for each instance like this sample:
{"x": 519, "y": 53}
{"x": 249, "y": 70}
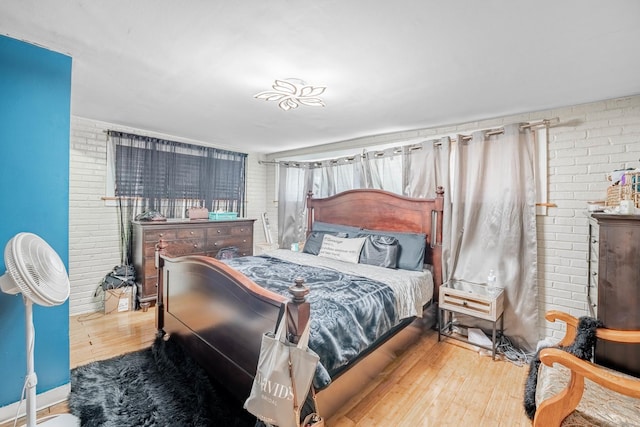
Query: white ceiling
{"x": 190, "y": 68}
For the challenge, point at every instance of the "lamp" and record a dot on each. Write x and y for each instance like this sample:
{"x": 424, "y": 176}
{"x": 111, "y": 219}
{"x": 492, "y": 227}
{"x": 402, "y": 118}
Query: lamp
{"x": 291, "y": 93}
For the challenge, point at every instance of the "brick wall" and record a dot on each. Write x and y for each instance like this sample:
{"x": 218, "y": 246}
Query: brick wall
{"x": 93, "y": 224}
{"x": 590, "y": 140}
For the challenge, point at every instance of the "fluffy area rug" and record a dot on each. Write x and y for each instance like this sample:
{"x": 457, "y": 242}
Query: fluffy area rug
{"x": 158, "y": 386}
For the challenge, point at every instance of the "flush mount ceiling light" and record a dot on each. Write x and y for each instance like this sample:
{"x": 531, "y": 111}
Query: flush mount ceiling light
{"x": 290, "y": 93}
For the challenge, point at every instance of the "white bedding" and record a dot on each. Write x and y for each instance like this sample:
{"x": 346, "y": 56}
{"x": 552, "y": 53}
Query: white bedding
{"x": 412, "y": 289}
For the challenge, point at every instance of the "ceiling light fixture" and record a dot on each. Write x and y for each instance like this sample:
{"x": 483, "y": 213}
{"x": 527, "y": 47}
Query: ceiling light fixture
{"x": 290, "y": 93}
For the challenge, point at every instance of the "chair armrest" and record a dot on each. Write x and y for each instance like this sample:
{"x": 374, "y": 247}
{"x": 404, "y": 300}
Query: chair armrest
{"x": 617, "y": 335}
{"x": 627, "y": 386}
{"x": 571, "y": 322}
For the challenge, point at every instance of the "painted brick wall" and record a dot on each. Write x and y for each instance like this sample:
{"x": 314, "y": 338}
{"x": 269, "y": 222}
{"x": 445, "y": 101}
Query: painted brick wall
{"x": 93, "y": 226}
{"x": 590, "y": 140}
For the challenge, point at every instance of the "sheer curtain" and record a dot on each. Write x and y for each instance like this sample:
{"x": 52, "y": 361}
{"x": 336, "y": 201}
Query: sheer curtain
{"x": 415, "y": 171}
{"x": 170, "y": 176}
{"x": 426, "y": 169}
{"x": 323, "y": 179}
{"x": 493, "y": 223}
{"x": 295, "y": 183}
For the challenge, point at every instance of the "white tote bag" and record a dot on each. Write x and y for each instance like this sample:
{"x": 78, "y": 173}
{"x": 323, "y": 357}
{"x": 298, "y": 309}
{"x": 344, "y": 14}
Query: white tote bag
{"x": 271, "y": 399}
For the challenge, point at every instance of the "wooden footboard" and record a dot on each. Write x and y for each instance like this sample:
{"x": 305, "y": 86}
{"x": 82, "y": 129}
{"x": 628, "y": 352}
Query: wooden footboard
{"x": 221, "y": 326}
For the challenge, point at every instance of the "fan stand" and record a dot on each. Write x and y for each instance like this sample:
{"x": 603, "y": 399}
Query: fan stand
{"x": 63, "y": 420}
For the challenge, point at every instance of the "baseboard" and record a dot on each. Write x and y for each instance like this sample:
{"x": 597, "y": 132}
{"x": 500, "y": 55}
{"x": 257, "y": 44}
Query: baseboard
{"x": 43, "y": 400}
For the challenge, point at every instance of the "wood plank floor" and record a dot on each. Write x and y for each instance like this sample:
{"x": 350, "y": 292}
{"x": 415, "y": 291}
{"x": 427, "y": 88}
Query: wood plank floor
{"x": 431, "y": 384}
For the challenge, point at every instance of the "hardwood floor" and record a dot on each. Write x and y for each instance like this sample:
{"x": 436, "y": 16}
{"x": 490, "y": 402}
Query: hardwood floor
{"x": 431, "y": 384}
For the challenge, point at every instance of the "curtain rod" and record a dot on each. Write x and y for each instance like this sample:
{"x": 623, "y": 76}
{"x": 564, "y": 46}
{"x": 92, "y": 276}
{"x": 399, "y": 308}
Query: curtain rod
{"x": 500, "y": 130}
{"x": 489, "y": 132}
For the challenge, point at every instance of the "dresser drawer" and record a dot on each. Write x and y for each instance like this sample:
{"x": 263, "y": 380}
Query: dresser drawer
{"x": 155, "y": 235}
{"x": 198, "y": 233}
{"x": 217, "y": 231}
{"x": 178, "y": 247}
{"x": 242, "y": 230}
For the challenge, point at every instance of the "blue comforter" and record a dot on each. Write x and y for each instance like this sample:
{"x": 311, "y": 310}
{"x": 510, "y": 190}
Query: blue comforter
{"x": 348, "y": 313}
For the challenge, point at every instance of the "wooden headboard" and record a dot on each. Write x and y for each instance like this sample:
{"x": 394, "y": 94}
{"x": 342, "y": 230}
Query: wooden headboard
{"x": 381, "y": 210}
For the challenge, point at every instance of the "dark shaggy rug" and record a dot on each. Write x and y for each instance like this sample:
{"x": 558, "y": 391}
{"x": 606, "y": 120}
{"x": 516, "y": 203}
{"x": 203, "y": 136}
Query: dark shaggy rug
{"x": 158, "y": 386}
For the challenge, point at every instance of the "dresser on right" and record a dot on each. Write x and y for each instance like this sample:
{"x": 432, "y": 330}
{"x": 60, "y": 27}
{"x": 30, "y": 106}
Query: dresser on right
{"x": 615, "y": 268}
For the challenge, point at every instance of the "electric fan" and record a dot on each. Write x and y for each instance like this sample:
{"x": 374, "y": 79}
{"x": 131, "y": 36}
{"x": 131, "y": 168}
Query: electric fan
{"x": 35, "y": 270}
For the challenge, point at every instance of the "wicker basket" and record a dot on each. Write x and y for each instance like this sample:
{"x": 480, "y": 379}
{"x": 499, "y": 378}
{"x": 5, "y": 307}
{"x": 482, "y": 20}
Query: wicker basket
{"x": 627, "y": 189}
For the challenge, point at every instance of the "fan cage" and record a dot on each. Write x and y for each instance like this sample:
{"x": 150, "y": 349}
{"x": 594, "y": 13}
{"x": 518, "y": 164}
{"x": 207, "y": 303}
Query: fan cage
{"x": 14, "y": 272}
{"x": 37, "y": 270}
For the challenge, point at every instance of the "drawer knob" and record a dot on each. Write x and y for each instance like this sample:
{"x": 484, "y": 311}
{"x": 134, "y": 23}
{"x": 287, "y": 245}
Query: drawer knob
{"x": 195, "y": 246}
{"x": 244, "y": 241}
{"x": 464, "y": 303}
{"x": 161, "y": 234}
{"x": 594, "y": 274}
{"x": 594, "y": 241}
{"x": 215, "y": 244}
{"x": 192, "y": 232}
{"x": 218, "y": 231}
{"x": 241, "y": 230}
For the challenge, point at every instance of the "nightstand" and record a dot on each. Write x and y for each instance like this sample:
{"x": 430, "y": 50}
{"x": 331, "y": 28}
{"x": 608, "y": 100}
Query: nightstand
{"x": 472, "y": 299}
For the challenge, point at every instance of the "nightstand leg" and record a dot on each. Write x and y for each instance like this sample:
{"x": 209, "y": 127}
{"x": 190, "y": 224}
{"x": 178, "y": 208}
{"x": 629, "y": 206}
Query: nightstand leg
{"x": 493, "y": 340}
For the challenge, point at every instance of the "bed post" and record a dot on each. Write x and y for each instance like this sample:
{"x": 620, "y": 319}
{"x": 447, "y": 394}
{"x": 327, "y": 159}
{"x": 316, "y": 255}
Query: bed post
{"x": 309, "y": 213}
{"x": 160, "y": 247}
{"x": 437, "y": 220}
{"x": 299, "y": 310}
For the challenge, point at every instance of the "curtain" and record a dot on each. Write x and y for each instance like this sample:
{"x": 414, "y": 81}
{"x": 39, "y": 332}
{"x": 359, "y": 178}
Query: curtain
{"x": 295, "y": 183}
{"x": 380, "y": 170}
{"x": 426, "y": 169}
{"x": 493, "y": 223}
{"x": 421, "y": 168}
{"x": 169, "y": 176}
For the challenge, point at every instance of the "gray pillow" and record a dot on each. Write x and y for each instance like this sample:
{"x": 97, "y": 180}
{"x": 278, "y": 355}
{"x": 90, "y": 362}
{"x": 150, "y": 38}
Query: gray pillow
{"x": 379, "y": 250}
{"x": 411, "y": 247}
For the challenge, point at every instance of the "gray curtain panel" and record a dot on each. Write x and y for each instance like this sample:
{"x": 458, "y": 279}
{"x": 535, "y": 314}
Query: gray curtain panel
{"x": 493, "y": 223}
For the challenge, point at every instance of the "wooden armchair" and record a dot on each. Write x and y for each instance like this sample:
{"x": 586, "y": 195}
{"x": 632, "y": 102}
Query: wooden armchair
{"x": 606, "y": 398}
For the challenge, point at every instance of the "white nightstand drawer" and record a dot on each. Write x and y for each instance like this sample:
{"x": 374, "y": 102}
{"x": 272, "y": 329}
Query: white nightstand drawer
{"x": 469, "y": 302}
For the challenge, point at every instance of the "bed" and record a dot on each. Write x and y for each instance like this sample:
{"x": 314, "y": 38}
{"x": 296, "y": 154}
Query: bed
{"x": 219, "y": 312}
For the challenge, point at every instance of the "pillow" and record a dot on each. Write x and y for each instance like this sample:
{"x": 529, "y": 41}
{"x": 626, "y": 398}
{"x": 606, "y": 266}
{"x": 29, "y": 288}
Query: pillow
{"x": 341, "y": 248}
{"x": 335, "y": 228}
{"x": 411, "y": 247}
{"x": 379, "y": 250}
{"x": 314, "y": 241}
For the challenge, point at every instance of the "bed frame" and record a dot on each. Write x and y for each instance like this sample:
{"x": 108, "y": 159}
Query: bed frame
{"x": 219, "y": 315}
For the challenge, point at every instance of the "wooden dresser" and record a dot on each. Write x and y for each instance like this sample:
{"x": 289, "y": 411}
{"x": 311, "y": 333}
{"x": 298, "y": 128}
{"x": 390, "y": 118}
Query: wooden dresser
{"x": 617, "y": 238}
{"x": 184, "y": 237}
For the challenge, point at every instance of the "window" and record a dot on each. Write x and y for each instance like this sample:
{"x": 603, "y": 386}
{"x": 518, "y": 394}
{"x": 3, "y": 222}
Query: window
{"x": 169, "y": 176}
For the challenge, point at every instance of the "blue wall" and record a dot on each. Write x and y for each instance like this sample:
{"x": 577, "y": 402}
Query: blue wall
{"x": 35, "y": 90}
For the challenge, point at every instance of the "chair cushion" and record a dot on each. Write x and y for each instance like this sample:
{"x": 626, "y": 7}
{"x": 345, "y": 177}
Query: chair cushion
{"x": 599, "y": 406}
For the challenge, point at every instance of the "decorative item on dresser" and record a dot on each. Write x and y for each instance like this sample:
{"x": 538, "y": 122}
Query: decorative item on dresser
{"x": 617, "y": 242}
{"x": 186, "y": 237}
